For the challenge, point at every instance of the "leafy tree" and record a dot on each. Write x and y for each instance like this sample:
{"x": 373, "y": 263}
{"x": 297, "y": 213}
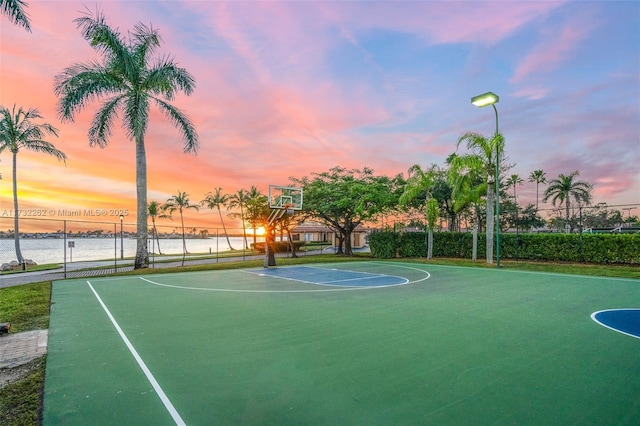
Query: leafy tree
{"x": 483, "y": 155}
{"x": 180, "y": 202}
{"x": 537, "y": 176}
{"x": 14, "y": 9}
{"x": 217, "y": 200}
{"x": 344, "y": 198}
{"x": 600, "y": 216}
{"x": 239, "y": 200}
{"x": 418, "y": 183}
{"x": 155, "y": 211}
{"x": 128, "y": 82}
{"x": 564, "y": 189}
{"x": 19, "y": 131}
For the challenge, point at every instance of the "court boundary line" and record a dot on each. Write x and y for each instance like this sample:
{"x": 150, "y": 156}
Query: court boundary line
{"x": 371, "y": 275}
{"x": 593, "y": 317}
{"x": 156, "y": 386}
{"x": 342, "y": 288}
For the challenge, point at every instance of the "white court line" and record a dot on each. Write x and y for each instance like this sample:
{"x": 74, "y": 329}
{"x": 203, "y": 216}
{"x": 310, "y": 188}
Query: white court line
{"x": 156, "y": 386}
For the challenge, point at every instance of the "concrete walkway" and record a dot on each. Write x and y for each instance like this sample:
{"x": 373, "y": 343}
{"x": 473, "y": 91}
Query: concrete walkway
{"x": 20, "y": 348}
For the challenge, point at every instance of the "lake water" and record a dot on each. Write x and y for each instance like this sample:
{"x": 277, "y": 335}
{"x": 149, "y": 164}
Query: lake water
{"x": 52, "y": 250}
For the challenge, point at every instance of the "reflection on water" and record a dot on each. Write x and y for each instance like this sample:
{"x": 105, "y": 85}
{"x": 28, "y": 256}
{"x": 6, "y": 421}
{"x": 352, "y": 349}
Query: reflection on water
{"x": 52, "y": 250}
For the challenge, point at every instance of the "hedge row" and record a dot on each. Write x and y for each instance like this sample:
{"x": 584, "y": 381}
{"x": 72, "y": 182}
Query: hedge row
{"x": 591, "y": 248}
{"x": 279, "y": 246}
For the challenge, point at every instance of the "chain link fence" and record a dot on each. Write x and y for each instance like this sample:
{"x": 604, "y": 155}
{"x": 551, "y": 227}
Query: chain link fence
{"x": 44, "y": 241}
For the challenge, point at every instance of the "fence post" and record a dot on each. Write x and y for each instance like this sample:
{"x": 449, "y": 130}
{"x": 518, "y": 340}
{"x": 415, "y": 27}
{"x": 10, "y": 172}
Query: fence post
{"x": 115, "y": 247}
{"x": 64, "y": 241}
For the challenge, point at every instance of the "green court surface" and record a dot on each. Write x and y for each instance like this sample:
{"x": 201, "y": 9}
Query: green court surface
{"x": 359, "y": 343}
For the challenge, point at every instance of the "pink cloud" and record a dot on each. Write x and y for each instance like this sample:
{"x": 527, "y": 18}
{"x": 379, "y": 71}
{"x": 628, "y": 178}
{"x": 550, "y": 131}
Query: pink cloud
{"x": 555, "y": 47}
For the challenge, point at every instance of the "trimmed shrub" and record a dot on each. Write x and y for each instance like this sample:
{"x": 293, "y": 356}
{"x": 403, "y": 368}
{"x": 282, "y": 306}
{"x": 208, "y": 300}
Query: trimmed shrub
{"x": 591, "y": 248}
{"x": 279, "y": 246}
{"x": 384, "y": 245}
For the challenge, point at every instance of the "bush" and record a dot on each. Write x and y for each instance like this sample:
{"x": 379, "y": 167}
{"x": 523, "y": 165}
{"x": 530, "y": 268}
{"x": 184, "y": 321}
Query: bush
{"x": 591, "y": 248}
{"x": 384, "y": 245}
{"x": 279, "y": 246}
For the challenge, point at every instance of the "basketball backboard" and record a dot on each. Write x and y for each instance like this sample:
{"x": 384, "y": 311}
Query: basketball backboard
{"x": 285, "y": 197}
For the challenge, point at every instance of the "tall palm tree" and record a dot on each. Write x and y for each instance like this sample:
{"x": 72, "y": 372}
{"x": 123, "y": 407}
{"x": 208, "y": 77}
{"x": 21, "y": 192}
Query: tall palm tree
{"x": 180, "y": 202}
{"x": 155, "y": 211}
{"x": 564, "y": 188}
{"x": 239, "y": 200}
{"x": 422, "y": 182}
{"x": 537, "y": 176}
{"x": 18, "y": 131}
{"x": 128, "y": 82}
{"x": 483, "y": 155}
{"x": 513, "y": 181}
{"x": 14, "y": 9}
{"x": 216, "y": 201}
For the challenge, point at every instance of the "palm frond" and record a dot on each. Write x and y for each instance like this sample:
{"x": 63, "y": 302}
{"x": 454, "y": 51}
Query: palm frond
{"x": 184, "y": 124}
{"x": 102, "y": 122}
{"x": 166, "y": 77}
{"x": 136, "y": 115}
{"x": 145, "y": 40}
{"x": 15, "y": 11}
{"x": 83, "y": 83}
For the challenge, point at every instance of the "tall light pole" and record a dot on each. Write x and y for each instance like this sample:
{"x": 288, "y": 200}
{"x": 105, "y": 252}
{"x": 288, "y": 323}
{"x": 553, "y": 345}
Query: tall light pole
{"x": 121, "y": 238}
{"x": 480, "y": 101}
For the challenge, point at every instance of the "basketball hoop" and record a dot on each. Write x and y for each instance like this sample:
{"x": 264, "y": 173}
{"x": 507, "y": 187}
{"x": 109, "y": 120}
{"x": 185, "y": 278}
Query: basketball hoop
{"x": 289, "y": 209}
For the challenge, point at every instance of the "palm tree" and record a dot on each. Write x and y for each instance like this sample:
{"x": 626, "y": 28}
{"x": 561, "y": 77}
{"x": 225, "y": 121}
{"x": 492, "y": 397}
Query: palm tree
{"x": 215, "y": 201}
{"x": 537, "y": 176}
{"x": 513, "y": 181}
{"x": 563, "y": 189}
{"x": 421, "y": 182}
{"x": 18, "y": 131}
{"x": 468, "y": 189}
{"x": 239, "y": 200}
{"x": 483, "y": 156}
{"x": 257, "y": 210}
{"x": 128, "y": 83}
{"x": 14, "y": 9}
{"x": 154, "y": 211}
{"x": 180, "y": 202}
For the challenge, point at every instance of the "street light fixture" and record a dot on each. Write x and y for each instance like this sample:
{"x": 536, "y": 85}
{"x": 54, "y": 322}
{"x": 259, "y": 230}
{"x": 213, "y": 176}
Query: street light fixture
{"x": 480, "y": 101}
{"x": 121, "y": 238}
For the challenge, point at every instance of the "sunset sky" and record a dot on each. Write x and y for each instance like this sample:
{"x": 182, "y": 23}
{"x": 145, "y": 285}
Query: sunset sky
{"x": 290, "y": 88}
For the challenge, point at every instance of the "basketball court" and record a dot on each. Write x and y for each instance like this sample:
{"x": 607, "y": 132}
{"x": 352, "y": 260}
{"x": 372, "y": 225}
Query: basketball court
{"x": 345, "y": 343}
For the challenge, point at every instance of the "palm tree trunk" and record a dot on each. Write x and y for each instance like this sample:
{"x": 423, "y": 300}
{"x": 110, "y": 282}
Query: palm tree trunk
{"x": 474, "y": 249}
{"x": 244, "y": 229}
{"x": 16, "y": 231}
{"x": 490, "y": 222}
{"x": 224, "y": 229}
{"x": 567, "y": 203}
{"x": 430, "y": 244}
{"x": 142, "y": 255}
{"x": 184, "y": 243}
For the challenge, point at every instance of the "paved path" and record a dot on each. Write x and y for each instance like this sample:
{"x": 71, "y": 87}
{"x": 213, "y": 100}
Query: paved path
{"x": 20, "y": 348}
